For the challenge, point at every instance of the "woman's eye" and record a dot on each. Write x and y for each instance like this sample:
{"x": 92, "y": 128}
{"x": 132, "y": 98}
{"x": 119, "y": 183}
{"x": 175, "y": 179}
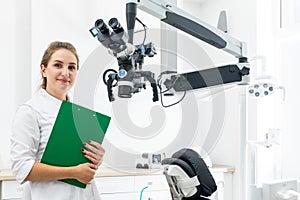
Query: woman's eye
{"x": 57, "y": 65}
{"x": 72, "y": 67}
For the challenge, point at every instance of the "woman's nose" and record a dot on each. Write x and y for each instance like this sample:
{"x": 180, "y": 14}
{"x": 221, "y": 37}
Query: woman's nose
{"x": 65, "y": 72}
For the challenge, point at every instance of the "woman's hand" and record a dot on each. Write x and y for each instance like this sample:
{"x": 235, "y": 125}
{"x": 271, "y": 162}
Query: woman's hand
{"x": 85, "y": 172}
{"x": 94, "y": 152}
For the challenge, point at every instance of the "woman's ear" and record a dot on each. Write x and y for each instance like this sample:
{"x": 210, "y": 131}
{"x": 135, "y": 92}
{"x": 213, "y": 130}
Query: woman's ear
{"x": 43, "y": 70}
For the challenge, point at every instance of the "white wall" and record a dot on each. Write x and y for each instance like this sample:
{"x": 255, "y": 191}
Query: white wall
{"x": 67, "y": 21}
{"x": 280, "y": 44}
{"x": 16, "y": 68}
{"x": 288, "y": 50}
{"x": 8, "y": 78}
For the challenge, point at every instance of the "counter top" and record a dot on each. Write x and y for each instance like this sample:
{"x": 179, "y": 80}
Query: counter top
{"x": 6, "y": 174}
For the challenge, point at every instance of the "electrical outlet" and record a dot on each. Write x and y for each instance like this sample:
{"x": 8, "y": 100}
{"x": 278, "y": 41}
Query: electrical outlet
{"x": 279, "y": 190}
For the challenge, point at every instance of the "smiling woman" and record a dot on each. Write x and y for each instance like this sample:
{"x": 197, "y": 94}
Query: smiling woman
{"x": 32, "y": 127}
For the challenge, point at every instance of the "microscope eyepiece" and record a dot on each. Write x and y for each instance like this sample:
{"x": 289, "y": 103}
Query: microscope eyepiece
{"x": 115, "y": 25}
{"x": 101, "y": 26}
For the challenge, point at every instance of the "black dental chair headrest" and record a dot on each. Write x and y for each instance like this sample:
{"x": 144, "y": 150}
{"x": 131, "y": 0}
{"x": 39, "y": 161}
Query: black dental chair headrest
{"x": 193, "y": 165}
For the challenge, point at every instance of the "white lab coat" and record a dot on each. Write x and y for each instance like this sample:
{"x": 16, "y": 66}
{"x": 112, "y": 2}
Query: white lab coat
{"x": 30, "y": 132}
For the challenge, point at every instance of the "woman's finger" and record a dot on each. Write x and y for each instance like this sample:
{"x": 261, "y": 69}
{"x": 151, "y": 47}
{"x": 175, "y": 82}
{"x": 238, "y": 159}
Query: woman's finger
{"x": 96, "y": 145}
{"x": 92, "y": 154}
{"x": 90, "y": 148}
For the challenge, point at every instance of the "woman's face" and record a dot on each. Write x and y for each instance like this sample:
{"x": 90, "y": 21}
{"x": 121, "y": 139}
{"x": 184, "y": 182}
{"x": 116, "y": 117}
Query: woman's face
{"x": 60, "y": 73}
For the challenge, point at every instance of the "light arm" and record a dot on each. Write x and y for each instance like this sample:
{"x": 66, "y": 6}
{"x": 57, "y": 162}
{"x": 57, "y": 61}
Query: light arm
{"x": 182, "y": 20}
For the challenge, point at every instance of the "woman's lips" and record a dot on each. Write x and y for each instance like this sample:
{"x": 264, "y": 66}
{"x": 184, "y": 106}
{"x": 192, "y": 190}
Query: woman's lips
{"x": 63, "y": 80}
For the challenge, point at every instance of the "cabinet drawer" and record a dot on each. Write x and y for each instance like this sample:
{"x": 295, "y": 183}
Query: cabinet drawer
{"x": 115, "y": 184}
{"x": 11, "y": 190}
{"x": 120, "y": 196}
{"x": 157, "y": 195}
{"x": 153, "y": 195}
{"x": 155, "y": 182}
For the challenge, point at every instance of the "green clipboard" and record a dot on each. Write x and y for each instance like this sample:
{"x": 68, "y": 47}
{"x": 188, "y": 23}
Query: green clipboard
{"x": 73, "y": 126}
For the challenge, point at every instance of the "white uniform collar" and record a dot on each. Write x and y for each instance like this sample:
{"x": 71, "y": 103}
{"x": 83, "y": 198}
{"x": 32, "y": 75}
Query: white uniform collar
{"x": 44, "y": 93}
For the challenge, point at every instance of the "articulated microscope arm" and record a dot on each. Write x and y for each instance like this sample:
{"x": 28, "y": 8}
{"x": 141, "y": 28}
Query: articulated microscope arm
{"x": 180, "y": 19}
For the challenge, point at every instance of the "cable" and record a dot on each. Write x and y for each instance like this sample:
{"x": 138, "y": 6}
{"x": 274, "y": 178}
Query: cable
{"x": 161, "y": 92}
{"x": 141, "y": 194}
{"x": 172, "y": 103}
{"x": 145, "y": 30}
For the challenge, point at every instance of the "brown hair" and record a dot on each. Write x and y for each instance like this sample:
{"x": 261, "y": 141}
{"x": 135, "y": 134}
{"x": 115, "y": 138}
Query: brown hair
{"x": 54, "y": 46}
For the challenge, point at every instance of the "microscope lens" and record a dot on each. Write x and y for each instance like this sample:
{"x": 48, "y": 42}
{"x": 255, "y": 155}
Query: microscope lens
{"x": 101, "y": 26}
{"x": 115, "y": 25}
